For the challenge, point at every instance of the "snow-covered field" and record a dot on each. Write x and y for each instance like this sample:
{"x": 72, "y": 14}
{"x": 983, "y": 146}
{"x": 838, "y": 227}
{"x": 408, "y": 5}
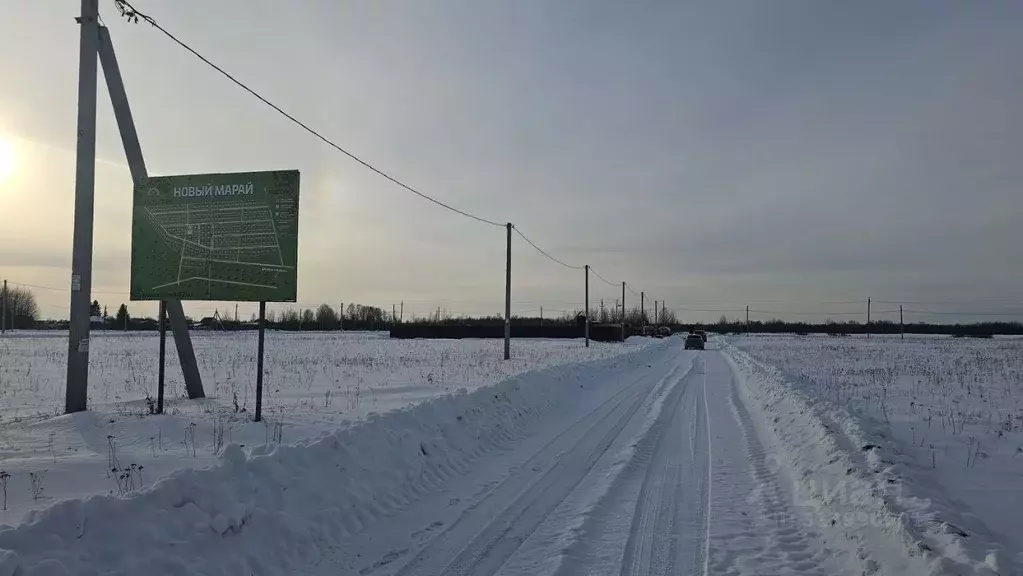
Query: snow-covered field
{"x": 649, "y": 462}
{"x": 763, "y": 455}
{"x": 938, "y": 421}
{"x": 313, "y": 383}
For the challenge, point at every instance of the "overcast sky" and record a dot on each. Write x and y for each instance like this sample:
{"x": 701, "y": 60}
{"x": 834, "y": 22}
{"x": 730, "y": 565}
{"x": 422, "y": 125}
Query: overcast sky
{"x": 713, "y": 154}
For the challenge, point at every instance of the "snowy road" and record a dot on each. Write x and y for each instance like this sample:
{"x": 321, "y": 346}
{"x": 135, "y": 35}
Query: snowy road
{"x": 659, "y": 472}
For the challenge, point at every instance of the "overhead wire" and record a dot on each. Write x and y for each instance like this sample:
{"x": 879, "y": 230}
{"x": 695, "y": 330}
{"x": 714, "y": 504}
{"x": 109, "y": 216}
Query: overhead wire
{"x": 128, "y": 10}
{"x": 605, "y": 280}
{"x": 132, "y": 13}
{"x": 544, "y": 252}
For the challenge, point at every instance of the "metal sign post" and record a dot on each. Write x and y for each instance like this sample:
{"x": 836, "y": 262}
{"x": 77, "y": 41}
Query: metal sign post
{"x": 259, "y": 363}
{"x": 163, "y": 356}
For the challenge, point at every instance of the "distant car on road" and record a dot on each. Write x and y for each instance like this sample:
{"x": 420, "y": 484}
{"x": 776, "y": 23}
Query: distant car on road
{"x": 701, "y": 334}
{"x": 694, "y": 342}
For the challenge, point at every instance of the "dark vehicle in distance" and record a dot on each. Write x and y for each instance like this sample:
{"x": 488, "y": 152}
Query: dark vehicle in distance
{"x": 694, "y": 342}
{"x": 701, "y": 334}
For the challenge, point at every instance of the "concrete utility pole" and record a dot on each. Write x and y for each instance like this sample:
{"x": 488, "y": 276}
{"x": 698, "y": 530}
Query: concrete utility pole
{"x": 95, "y": 46}
{"x": 507, "y": 297}
{"x": 401, "y": 313}
{"x": 623, "y": 303}
{"x": 868, "y": 317}
{"x": 747, "y": 321}
{"x": 586, "y": 329}
{"x": 3, "y": 311}
{"x": 76, "y": 398}
{"x": 902, "y": 328}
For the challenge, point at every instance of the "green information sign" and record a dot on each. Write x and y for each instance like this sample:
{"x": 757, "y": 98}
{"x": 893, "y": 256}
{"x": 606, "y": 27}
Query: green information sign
{"x": 216, "y": 237}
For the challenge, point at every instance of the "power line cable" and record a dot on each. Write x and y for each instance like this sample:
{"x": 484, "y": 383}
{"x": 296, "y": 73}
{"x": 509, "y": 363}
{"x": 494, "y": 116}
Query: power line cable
{"x": 542, "y": 251}
{"x": 605, "y": 280}
{"x": 132, "y": 14}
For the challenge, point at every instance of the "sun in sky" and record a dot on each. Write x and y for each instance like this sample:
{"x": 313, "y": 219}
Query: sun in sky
{"x": 7, "y": 159}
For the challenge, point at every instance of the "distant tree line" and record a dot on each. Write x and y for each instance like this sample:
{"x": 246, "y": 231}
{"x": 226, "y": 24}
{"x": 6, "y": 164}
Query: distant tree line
{"x": 23, "y": 312}
{"x": 975, "y": 330}
{"x": 606, "y": 315}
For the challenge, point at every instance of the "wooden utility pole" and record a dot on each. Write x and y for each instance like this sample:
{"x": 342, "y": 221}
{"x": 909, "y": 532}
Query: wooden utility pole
{"x": 394, "y": 314}
{"x": 655, "y": 312}
{"x": 902, "y": 328}
{"x": 3, "y": 311}
{"x": 401, "y": 313}
{"x": 642, "y": 308}
{"x": 747, "y": 320}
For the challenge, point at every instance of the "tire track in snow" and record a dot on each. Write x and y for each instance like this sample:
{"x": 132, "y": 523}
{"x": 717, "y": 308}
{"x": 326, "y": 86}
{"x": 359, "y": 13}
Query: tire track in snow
{"x": 755, "y": 529}
{"x": 652, "y": 520}
{"x": 490, "y": 531}
{"x": 698, "y": 497}
{"x": 668, "y": 518}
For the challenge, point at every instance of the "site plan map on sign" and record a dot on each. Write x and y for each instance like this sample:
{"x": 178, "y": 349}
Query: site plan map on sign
{"x": 216, "y": 237}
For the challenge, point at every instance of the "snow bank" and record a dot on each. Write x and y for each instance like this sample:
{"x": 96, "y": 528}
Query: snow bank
{"x": 313, "y": 382}
{"x": 854, "y": 488}
{"x": 279, "y": 507}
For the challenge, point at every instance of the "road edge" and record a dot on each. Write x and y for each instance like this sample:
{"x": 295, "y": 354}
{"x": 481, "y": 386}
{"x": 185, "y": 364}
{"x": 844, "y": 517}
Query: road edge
{"x": 830, "y": 479}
